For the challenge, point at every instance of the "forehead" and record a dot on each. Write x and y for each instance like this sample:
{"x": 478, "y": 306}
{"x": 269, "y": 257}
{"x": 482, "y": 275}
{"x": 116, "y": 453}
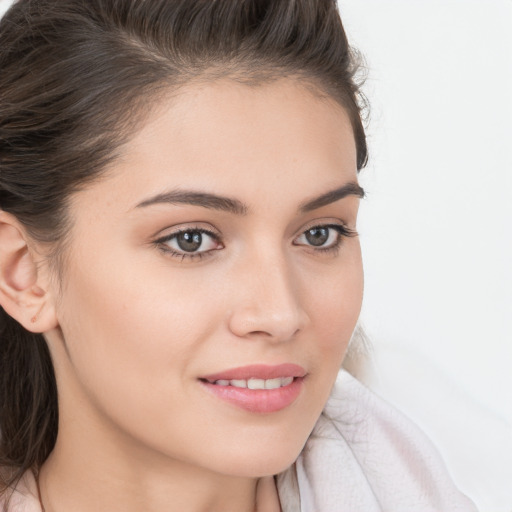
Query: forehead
{"x": 235, "y": 139}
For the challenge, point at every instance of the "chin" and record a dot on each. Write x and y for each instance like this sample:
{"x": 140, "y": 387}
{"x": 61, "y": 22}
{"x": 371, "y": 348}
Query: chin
{"x": 262, "y": 461}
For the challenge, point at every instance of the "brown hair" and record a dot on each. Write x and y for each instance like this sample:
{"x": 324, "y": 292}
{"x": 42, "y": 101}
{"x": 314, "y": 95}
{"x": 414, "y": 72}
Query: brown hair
{"x": 75, "y": 78}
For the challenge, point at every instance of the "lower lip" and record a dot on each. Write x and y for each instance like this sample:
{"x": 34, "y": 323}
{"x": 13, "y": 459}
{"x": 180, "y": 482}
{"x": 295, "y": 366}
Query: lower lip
{"x": 258, "y": 400}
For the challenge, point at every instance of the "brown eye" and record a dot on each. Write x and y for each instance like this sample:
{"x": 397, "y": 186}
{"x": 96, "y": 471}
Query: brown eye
{"x": 317, "y": 236}
{"x": 189, "y": 241}
{"x": 324, "y": 237}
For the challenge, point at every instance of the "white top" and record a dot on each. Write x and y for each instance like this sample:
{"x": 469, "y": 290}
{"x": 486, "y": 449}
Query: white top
{"x": 362, "y": 456}
{"x": 365, "y": 456}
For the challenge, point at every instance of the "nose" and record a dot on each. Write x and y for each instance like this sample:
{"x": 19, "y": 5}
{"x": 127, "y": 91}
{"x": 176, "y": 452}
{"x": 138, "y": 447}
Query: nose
{"x": 268, "y": 301}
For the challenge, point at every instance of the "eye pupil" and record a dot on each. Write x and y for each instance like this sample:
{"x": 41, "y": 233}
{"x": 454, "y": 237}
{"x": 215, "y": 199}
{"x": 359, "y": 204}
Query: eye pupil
{"x": 189, "y": 241}
{"x": 317, "y": 236}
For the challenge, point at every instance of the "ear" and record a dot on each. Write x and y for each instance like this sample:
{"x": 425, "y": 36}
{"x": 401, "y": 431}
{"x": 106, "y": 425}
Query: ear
{"x": 24, "y": 291}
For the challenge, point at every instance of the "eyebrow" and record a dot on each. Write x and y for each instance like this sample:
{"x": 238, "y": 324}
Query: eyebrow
{"x": 216, "y": 202}
{"x": 203, "y": 199}
{"x": 349, "y": 189}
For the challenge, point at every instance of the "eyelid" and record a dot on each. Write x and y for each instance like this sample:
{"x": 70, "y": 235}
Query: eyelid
{"x": 339, "y": 228}
{"x": 328, "y": 223}
{"x": 161, "y": 241}
{"x": 342, "y": 232}
{"x": 173, "y": 234}
{"x": 186, "y": 226}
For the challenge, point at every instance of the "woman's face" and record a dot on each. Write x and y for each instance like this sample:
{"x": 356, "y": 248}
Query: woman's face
{"x": 216, "y": 250}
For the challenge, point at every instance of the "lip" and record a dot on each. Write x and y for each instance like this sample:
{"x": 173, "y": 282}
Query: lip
{"x": 262, "y": 401}
{"x": 258, "y": 371}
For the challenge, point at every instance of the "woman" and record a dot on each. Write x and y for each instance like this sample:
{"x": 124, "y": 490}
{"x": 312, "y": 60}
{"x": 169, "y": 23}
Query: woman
{"x": 180, "y": 269}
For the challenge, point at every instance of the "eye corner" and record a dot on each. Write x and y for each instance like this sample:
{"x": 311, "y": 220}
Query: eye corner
{"x": 327, "y": 237}
{"x": 171, "y": 245}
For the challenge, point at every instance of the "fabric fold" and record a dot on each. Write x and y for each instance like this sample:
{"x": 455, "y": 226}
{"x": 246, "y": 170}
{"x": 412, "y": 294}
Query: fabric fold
{"x": 365, "y": 456}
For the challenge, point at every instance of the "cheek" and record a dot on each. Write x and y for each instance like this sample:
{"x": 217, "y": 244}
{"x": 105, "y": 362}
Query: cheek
{"x": 128, "y": 331}
{"x": 127, "y": 351}
{"x": 127, "y": 335}
{"x": 334, "y": 311}
{"x": 336, "y": 305}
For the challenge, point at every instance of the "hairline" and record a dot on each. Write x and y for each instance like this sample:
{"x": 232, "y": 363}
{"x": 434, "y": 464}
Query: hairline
{"x": 148, "y": 101}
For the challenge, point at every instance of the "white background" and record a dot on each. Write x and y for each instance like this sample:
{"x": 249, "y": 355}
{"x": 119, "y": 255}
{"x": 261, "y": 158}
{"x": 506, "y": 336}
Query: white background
{"x": 436, "y": 226}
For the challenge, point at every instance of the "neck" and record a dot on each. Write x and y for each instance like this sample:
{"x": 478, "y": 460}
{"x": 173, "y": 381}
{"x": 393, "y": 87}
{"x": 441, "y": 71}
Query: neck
{"x": 184, "y": 491}
{"x": 110, "y": 480}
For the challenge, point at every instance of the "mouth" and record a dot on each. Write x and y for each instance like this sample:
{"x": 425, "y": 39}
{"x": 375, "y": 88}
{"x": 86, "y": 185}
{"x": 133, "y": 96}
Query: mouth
{"x": 257, "y": 388}
{"x": 257, "y": 372}
{"x": 254, "y": 383}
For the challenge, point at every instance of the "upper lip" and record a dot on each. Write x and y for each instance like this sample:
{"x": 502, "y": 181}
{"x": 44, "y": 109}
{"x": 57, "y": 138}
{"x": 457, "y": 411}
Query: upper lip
{"x": 258, "y": 371}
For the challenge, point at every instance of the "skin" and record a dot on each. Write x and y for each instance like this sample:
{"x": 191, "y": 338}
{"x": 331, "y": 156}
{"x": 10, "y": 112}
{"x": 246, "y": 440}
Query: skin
{"x": 135, "y": 327}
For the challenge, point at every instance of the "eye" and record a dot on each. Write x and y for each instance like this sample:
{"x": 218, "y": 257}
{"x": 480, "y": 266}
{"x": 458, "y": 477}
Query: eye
{"x": 325, "y": 237}
{"x": 189, "y": 243}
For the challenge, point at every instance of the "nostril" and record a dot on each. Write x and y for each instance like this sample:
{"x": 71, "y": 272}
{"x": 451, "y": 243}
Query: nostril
{"x": 260, "y": 333}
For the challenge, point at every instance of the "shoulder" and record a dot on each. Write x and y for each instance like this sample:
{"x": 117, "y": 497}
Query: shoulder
{"x": 23, "y": 498}
{"x": 364, "y": 455}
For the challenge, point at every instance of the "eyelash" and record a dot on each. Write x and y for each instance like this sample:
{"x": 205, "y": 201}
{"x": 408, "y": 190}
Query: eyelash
{"x": 162, "y": 243}
{"x": 343, "y": 232}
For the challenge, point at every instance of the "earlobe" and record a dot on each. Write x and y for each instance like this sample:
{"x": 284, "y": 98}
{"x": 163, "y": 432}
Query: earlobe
{"x": 22, "y": 295}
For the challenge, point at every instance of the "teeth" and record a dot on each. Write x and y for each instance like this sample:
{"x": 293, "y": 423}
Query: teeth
{"x": 273, "y": 383}
{"x": 257, "y": 383}
{"x": 286, "y": 381}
